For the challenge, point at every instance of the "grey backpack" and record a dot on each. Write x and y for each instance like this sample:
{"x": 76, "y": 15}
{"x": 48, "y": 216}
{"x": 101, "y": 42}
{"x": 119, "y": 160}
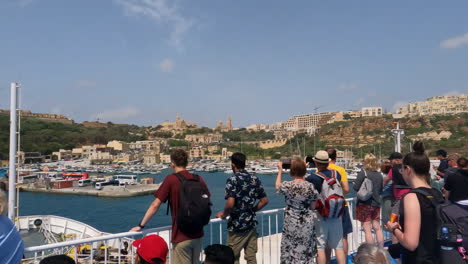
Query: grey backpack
{"x": 365, "y": 191}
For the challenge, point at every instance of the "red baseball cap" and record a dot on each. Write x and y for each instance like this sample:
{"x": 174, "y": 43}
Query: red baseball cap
{"x": 151, "y": 247}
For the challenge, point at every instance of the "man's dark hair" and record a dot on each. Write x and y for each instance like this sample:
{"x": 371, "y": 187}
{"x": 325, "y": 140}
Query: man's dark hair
{"x": 238, "y": 159}
{"x": 180, "y": 158}
{"x": 58, "y": 259}
{"x": 331, "y": 153}
{"x": 442, "y": 153}
{"x": 219, "y": 254}
{"x": 321, "y": 166}
{"x": 462, "y": 163}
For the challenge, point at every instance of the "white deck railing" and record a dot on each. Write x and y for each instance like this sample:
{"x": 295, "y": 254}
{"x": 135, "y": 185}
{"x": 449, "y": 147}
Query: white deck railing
{"x": 269, "y": 229}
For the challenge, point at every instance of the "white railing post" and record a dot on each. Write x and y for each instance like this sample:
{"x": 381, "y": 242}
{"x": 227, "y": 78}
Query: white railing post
{"x": 12, "y": 156}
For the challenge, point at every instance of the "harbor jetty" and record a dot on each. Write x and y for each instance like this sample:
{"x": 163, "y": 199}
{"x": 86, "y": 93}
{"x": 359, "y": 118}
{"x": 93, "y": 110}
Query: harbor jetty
{"x": 107, "y": 191}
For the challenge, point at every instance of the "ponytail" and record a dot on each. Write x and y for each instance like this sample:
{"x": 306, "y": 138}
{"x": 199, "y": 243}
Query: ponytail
{"x": 418, "y": 161}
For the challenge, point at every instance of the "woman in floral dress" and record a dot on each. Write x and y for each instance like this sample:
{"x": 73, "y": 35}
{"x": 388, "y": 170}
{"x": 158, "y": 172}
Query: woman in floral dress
{"x": 297, "y": 242}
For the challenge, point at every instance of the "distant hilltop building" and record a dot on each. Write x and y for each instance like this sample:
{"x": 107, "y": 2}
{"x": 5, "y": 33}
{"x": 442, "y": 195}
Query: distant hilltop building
{"x": 44, "y": 117}
{"x": 226, "y": 128}
{"x": 371, "y": 111}
{"x": 178, "y": 126}
{"x": 310, "y": 123}
{"x": 437, "y": 105}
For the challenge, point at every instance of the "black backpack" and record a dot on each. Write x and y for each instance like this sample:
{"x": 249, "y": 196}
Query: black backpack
{"x": 455, "y": 219}
{"x": 194, "y": 205}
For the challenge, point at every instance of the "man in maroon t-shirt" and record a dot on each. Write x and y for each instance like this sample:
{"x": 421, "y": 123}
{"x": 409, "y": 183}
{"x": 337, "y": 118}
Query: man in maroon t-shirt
{"x": 186, "y": 247}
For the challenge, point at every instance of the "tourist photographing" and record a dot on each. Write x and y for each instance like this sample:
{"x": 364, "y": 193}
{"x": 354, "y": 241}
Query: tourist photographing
{"x": 242, "y": 192}
{"x": 329, "y": 225}
{"x": 186, "y": 239}
{"x": 151, "y": 249}
{"x": 297, "y": 240}
{"x": 368, "y": 209}
{"x": 11, "y": 244}
{"x": 416, "y": 229}
{"x": 346, "y": 217}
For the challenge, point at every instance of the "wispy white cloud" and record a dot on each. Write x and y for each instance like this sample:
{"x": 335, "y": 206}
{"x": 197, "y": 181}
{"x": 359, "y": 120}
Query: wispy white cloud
{"x": 452, "y": 92}
{"x": 56, "y": 110}
{"x": 360, "y": 101}
{"x": 163, "y": 13}
{"x": 122, "y": 114}
{"x": 25, "y": 3}
{"x": 398, "y": 105}
{"x": 167, "y": 65}
{"x": 85, "y": 84}
{"x": 348, "y": 86}
{"x": 455, "y": 42}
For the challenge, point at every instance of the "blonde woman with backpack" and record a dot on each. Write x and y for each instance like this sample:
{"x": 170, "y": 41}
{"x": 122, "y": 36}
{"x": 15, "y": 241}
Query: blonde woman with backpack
{"x": 369, "y": 185}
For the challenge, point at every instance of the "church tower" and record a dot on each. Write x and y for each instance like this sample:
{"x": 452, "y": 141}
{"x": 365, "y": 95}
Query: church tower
{"x": 229, "y": 123}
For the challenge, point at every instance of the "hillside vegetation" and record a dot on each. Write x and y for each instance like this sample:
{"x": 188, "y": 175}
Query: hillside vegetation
{"x": 46, "y": 137}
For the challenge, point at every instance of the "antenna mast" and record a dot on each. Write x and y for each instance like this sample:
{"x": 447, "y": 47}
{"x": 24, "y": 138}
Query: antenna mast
{"x": 398, "y": 134}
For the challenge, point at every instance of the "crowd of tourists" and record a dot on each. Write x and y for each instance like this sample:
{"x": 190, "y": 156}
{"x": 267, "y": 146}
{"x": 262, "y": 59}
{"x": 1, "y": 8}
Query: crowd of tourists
{"x": 427, "y": 218}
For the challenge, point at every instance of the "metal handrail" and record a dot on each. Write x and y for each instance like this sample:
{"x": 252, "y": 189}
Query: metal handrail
{"x": 124, "y": 234}
{"x": 269, "y": 230}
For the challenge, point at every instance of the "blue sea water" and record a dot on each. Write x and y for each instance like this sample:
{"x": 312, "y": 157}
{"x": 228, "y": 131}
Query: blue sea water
{"x": 120, "y": 214}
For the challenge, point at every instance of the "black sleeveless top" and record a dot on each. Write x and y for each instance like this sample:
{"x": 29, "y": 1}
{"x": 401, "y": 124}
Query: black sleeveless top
{"x": 427, "y": 251}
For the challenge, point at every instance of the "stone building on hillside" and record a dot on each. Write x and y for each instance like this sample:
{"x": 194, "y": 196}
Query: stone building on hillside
{"x": 204, "y": 138}
{"x": 178, "y": 126}
{"x": 437, "y": 105}
{"x": 224, "y": 128}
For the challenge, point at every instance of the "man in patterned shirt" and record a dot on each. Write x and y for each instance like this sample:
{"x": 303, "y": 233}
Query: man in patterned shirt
{"x": 242, "y": 192}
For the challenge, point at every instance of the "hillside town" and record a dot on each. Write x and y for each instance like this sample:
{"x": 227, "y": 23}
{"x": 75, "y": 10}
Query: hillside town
{"x": 211, "y": 144}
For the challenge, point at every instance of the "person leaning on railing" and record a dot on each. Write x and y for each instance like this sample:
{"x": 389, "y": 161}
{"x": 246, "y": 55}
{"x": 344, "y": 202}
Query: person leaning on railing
{"x": 11, "y": 244}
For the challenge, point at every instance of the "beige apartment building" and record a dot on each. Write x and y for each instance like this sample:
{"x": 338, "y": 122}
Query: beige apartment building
{"x": 308, "y": 122}
{"x": 151, "y": 157}
{"x": 146, "y": 145}
{"x": 437, "y": 105}
{"x": 371, "y": 111}
{"x": 118, "y": 145}
{"x": 197, "y": 152}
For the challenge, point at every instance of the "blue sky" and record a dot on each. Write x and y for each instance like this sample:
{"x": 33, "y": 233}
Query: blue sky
{"x": 142, "y": 61}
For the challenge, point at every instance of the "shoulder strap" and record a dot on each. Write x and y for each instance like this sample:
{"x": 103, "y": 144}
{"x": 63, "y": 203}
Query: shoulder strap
{"x": 181, "y": 178}
{"x": 365, "y": 173}
{"x": 428, "y": 196}
{"x": 321, "y": 175}
{"x": 333, "y": 173}
{"x": 434, "y": 203}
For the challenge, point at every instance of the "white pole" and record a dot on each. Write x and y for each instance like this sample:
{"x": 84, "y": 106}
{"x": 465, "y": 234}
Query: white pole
{"x": 398, "y": 138}
{"x": 12, "y": 167}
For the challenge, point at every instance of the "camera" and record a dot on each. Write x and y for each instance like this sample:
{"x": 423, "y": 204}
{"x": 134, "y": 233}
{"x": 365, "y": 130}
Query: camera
{"x": 286, "y": 164}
